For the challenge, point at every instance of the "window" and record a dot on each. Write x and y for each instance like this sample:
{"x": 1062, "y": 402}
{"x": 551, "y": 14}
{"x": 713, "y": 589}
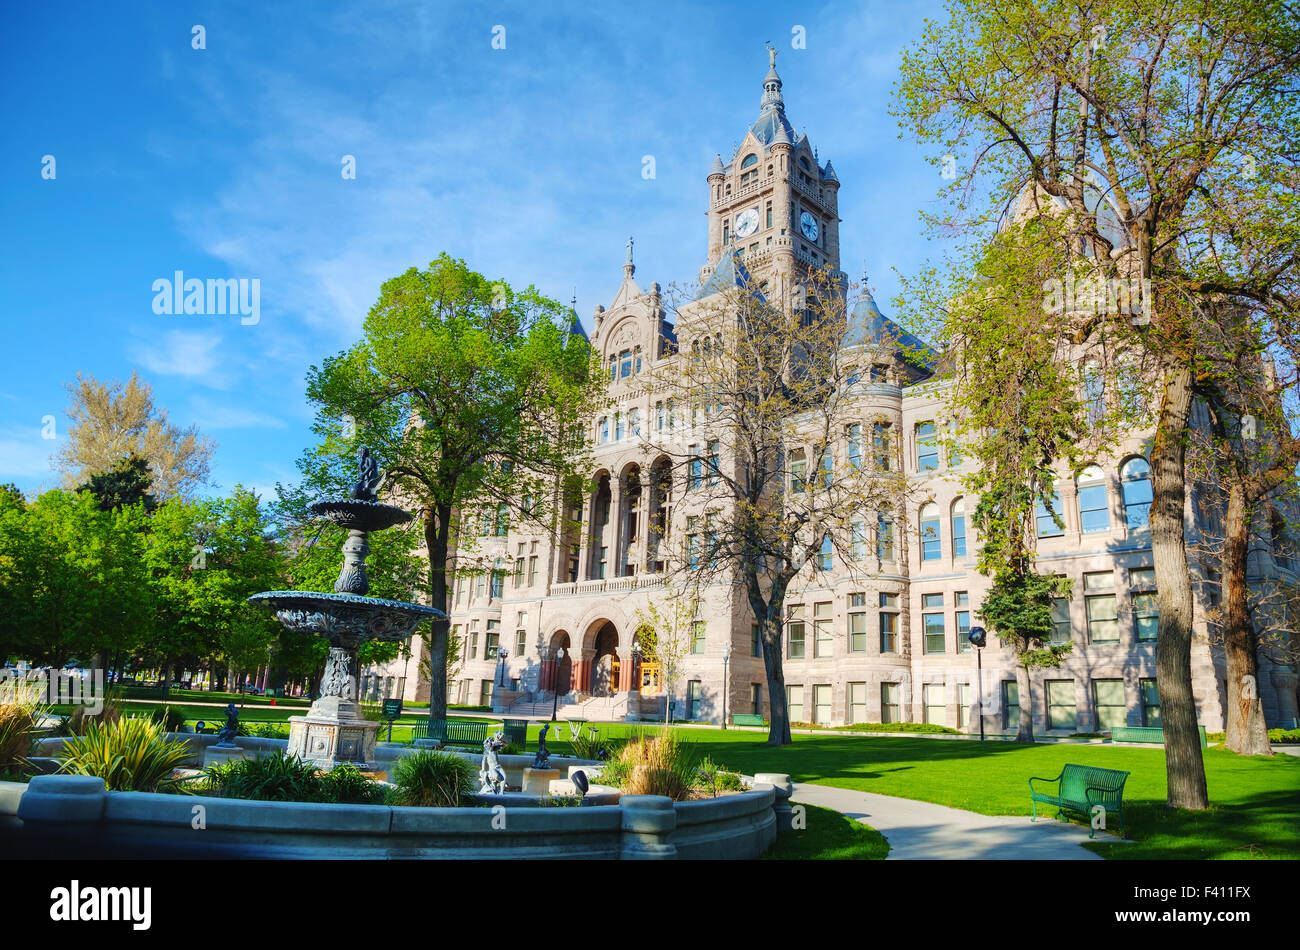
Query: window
{"x": 659, "y": 417}
{"x": 889, "y": 693}
{"x": 519, "y": 573}
{"x": 1150, "y": 703}
{"x": 880, "y": 372}
{"x": 493, "y": 640}
{"x": 603, "y": 427}
{"x": 769, "y": 215}
{"x": 854, "y": 433}
{"x": 755, "y": 640}
{"x": 712, "y": 449}
{"x": 473, "y": 643}
{"x": 1103, "y": 618}
{"x": 884, "y": 538}
{"x": 698, "y": 628}
{"x": 828, "y": 469}
{"x": 1135, "y": 488}
{"x": 1047, "y": 519}
{"x": 932, "y": 699}
{"x": 481, "y": 586}
{"x": 927, "y": 447}
{"x": 880, "y": 448}
{"x": 858, "y": 539}
{"x": 697, "y": 468}
{"x": 532, "y": 570}
{"x": 460, "y": 591}
{"x": 1094, "y": 501}
{"x": 822, "y": 704}
{"x": 963, "y": 621}
{"x": 1061, "y": 626}
{"x": 798, "y": 470}
{"x": 521, "y": 642}
{"x": 1011, "y": 705}
{"x": 822, "y": 635}
{"x": 692, "y": 543}
{"x": 933, "y": 624}
{"x": 485, "y": 693}
{"x": 888, "y": 623}
{"x": 857, "y": 702}
{"x": 824, "y": 561}
{"x": 636, "y": 358}
{"x": 618, "y": 427}
{"x": 503, "y": 520}
{"x": 963, "y": 706}
{"x": 625, "y": 364}
{"x": 602, "y": 562}
{"x": 1094, "y": 393}
{"x": 1146, "y": 604}
{"x": 794, "y": 703}
{"x": 795, "y": 632}
{"x": 498, "y": 585}
{"x": 756, "y": 699}
{"x": 1108, "y": 696}
{"x": 634, "y": 423}
{"x": 959, "y": 528}
{"x": 857, "y": 623}
{"x": 931, "y": 545}
{"x": 694, "y": 699}
{"x": 1062, "y": 713}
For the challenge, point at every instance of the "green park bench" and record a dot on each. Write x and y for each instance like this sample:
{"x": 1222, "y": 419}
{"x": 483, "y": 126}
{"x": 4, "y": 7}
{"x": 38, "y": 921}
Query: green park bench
{"x": 1079, "y": 788}
{"x": 1145, "y": 734}
{"x": 747, "y": 719}
{"x": 452, "y": 732}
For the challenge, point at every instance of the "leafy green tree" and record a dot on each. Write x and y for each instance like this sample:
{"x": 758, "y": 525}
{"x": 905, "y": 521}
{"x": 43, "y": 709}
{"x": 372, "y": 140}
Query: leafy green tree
{"x": 127, "y": 483}
{"x": 1166, "y": 132}
{"x": 472, "y": 395}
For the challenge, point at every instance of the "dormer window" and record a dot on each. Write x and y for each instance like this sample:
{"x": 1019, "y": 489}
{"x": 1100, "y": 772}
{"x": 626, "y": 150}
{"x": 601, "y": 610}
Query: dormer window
{"x": 746, "y": 177}
{"x": 803, "y": 162}
{"x": 750, "y": 159}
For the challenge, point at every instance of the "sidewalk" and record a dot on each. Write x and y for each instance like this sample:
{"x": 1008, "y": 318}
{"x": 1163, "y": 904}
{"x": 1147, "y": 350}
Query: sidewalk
{"x": 921, "y": 831}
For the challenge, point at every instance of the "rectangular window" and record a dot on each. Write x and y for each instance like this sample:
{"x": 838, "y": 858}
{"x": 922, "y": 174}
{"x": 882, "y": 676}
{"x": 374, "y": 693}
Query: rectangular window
{"x": 1061, "y": 627}
{"x": 698, "y": 628}
{"x": 795, "y": 632}
{"x": 1062, "y": 713}
{"x": 618, "y": 427}
{"x": 756, "y": 699}
{"x": 854, "y": 435}
{"x": 493, "y": 639}
{"x": 888, "y": 623}
{"x": 603, "y": 427}
{"x": 798, "y": 471}
{"x": 521, "y": 642}
{"x": 1094, "y": 508}
{"x": 927, "y": 447}
{"x": 963, "y": 706}
{"x": 822, "y": 704}
{"x": 857, "y": 702}
{"x": 625, "y": 364}
{"x": 532, "y": 571}
{"x": 1101, "y": 609}
{"x": 825, "y": 554}
{"x": 959, "y": 534}
{"x": 712, "y": 450}
{"x": 1146, "y": 604}
{"x": 889, "y": 693}
{"x": 963, "y": 622}
{"x": 1011, "y": 705}
{"x": 884, "y": 538}
{"x": 519, "y": 573}
{"x": 498, "y": 584}
{"x": 794, "y": 704}
{"x": 1112, "y": 711}
{"x": 659, "y": 417}
{"x": 634, "y": 423}
{"x": 932, "y": 697}
{"x": 857, "y": 623}
{"x": 697, "y": 468}
{"x": 880, "y": 446}
{"x": 822, "y": 635}
{"x": 485, "y": 693}
{"x": 933, "y": 624}
{"x": 1150, "y": 703}
{"x": 755, "y": 640}
{"x": 694, "y": 699}
{"x": 1047, "y": 526}
{"x": 931, "y": 544}
{"x": 473, "y": 644}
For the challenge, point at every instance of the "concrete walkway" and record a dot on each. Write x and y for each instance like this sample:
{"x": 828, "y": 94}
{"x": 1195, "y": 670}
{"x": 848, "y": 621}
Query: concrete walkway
{"x": 927, "y": 832}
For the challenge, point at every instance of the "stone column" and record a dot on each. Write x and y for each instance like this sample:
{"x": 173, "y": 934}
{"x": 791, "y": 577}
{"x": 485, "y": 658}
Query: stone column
{"x": 612, "y": 534}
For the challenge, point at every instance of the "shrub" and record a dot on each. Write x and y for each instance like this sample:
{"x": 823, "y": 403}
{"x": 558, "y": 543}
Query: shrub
{"x": 130, "y": 755}
{"x": 20, "y": 713}
{"x": 653, "y": 765}
{"x": 80, "y": 721}
{"x": 272, "y": 778}
{"x": 586, "y": 742}
{"x": 170, "y": 719}
{"x": 346, "y": 785}
{"x": 432, "y": 779}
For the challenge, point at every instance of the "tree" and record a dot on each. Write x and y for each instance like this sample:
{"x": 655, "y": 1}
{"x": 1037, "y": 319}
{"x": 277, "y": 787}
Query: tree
{"x": 663, "y": 635}
{"x": 472, "y": 395}
{"x": 111, "y": 421}
{"x": 127, "y": 483}
{"x": 774, "y": 489}
{"x": 1163, "y": 129}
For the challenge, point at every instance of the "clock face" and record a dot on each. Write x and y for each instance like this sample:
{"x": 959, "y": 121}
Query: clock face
{"x": 747, "y": 223}
{"x": 808, "y": 224}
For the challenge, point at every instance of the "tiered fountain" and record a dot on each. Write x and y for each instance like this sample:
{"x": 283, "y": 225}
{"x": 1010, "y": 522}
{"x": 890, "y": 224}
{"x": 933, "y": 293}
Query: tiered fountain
{"x": 334, "y": 731}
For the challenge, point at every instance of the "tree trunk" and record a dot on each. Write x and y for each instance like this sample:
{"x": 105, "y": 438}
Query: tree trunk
{"x": 436, "y": 530}
{"x": 1247, "y": 733}
{"x": 769, "y": 618}
{"x": 1184, "y": 766}
{"x": 1025, "y": 689}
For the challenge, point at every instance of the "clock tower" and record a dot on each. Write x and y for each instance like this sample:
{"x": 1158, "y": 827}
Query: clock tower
{"x": 772, "y": 206}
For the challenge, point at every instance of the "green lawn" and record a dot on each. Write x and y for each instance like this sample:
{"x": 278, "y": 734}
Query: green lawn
{"x": 829, "y": 836}
{"x": 1256, "y": 801}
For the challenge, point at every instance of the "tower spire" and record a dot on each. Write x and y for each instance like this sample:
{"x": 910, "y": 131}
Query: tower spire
{"x": 772, "y": 83}
{"x": 629, "y": 268}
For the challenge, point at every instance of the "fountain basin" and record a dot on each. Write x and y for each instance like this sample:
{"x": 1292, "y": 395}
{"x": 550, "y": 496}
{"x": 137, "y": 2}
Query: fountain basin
{"x": 346, "y": 620}
{"x": 359, "y": 515}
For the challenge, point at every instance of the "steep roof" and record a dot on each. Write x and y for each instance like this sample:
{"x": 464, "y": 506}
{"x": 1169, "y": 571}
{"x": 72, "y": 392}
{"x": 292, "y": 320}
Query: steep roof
{"x": 869, "y": 327}
{"x": 730, "y": 271}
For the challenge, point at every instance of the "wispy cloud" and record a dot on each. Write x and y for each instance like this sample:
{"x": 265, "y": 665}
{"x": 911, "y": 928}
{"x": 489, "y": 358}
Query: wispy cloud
{"x": 193, "y": 354}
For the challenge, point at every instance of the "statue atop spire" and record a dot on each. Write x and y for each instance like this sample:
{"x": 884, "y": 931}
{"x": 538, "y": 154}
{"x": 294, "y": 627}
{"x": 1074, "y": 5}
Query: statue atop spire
{"x": 771, "y": 55}
{"x": 629, "y": 268}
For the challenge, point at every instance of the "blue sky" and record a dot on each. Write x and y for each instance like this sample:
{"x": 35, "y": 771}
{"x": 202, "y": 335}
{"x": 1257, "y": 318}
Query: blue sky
{"x": 525, "y": 161}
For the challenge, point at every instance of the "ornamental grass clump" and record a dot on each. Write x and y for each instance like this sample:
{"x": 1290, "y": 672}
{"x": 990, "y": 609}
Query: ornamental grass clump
{"x": 432, "y": 779}
{"x": 272, "y": 778}
{"x": 21, "y": 711}
{"x": 654, "y": 765}
{"x": 130, "y": 755}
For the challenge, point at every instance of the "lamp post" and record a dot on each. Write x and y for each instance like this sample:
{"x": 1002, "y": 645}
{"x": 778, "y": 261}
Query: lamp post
{"x": 555, "y": 685}
{"x": 502, "y": 653}
{"x": 726, "y": 659}
{"x": 978, "y": 638}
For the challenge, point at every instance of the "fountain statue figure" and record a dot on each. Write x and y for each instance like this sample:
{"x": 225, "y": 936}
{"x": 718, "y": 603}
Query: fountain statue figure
{"x": 543, "y": 754}
{"x": 226, "y": 737}
{"x": 491, "y": 774}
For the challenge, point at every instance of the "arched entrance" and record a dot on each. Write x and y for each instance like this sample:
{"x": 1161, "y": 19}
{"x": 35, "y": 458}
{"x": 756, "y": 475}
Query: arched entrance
{"x": 604, "y": 661}
{"x": 559, "y": 676}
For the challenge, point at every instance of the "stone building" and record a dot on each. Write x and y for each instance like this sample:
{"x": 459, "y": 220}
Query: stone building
{"x": 892, "y": 647}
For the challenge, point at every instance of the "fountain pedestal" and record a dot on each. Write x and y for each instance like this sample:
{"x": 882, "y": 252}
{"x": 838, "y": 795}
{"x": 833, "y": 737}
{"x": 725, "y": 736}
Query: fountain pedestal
{"x": 538, "y": 781}
{"x": 220, "y": 754}
{"x": 334, "y": 731}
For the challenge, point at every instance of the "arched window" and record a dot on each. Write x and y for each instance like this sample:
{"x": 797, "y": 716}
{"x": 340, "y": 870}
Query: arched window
{"x": 959, "y": 528}
{"x": 750, "y": 159}
{"x": 1094, "y": 501}
{"x": 1135, "y": 487}
{"x": 931, "y": 545}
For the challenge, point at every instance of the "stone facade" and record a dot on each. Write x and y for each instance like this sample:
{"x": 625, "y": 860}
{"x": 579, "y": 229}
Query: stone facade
{"x": 890, "y": 647}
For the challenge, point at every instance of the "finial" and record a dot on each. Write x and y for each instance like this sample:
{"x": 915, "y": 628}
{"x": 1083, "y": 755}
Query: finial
{"x": 629, "y": 268}
{"x": 771, "y": 55}
{"x": 629, "y": 250}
